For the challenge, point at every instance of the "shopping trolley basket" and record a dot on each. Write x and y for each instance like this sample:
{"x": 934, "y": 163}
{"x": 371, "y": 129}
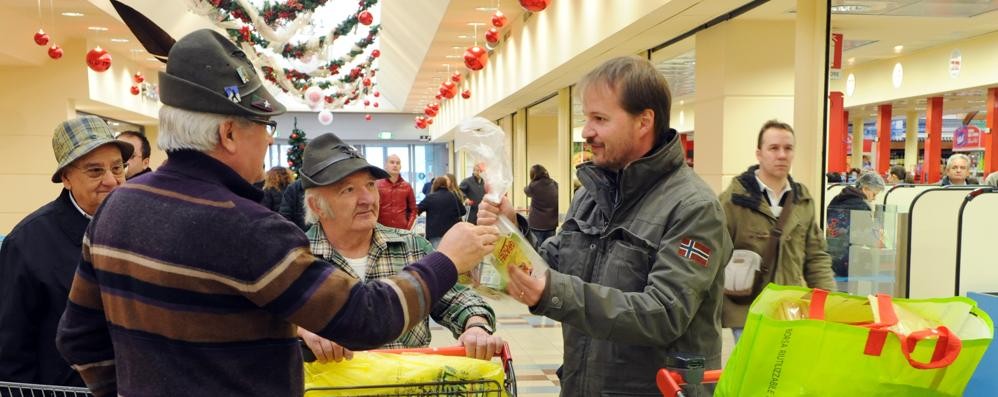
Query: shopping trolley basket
{"x": 10, "y": 389}
{"x": 465, "y": 388}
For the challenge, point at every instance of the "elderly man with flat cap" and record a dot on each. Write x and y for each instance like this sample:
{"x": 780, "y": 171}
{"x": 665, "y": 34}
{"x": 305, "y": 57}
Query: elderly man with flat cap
{"x": 341, "y": 201}
{"x": 202, "y": 295}
{"x": 39, "y": 257}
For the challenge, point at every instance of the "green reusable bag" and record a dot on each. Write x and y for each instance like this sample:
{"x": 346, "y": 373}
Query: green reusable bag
{"x": 799, "y": 341}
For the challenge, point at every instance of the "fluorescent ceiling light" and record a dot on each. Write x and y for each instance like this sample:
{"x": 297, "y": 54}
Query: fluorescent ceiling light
{"x": 486, "y": 9}
{"x": 847, "y": 8}
{"x": 72, "y": 14}
{"x": 898, "y": 49}
{"x": 119, "y": 40}
{"x": 98, "y": 28}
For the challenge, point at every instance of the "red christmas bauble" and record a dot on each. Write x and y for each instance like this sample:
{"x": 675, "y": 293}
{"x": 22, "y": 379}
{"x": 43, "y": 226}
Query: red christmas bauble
{"x": 448, "y": 89}
{"x": 429, "y": 111}
{"x": 294, "y": 136}
{"x": 439, "y": 97}
{"x": 135, "y": 90}
{"x": 365, "y": 18}
{"x": 534, "y": 5}
{"x": 376, "y": 53}
{"x": 475, "y": 57}
{"x": 435, "y": 106}
{"x": 55, "y": 52}
{"x": 499, "y": 19}
{"x": 456, "y": 77}
{"x": 421, "y": 124}
{"x": 367, "y": 82}
{"x": 41, "y": 38}
{"x": 329, "y": 99}
{"x": 466, "y": 94}
{"x": 367, "y": 117}
{"x": 429, "y": 121}
{"x": 291, "y": 163}
{"x": 98, "y": 59}
{"x": 492, "y": 35}
{"x": 138, "y": 78}
{"x": 375, "y": 104}
{"x": 377, "y": 94}
{"x": 367, "y": 102}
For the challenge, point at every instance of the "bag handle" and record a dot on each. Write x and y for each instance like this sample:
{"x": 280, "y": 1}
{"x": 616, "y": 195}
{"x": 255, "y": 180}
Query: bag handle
{"x": 948, "y": 347}
{"x": 885, "y": 307}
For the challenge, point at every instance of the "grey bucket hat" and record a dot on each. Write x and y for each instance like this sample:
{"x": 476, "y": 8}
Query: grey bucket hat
{"x": 206, "y": 72}
{"x": 75, "y": 138}
{"x": 327, "y": 160}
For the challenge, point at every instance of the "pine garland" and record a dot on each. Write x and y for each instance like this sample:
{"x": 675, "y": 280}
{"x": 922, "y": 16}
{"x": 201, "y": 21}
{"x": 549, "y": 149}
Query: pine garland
{"x": 296, "y": 150}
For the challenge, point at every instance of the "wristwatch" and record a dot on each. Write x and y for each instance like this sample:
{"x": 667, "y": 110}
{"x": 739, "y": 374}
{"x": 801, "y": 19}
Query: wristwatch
{"x": 481, "y": 325}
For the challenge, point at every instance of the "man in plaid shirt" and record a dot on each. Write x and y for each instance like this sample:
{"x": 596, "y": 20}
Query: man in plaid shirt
{"x": 343, "y": 208}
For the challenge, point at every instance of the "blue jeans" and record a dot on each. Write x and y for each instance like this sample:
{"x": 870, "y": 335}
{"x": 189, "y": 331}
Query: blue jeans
{"x": 435, "y": 241}
{"x": 737, "y": 332}
{"x": 540, "y": 236}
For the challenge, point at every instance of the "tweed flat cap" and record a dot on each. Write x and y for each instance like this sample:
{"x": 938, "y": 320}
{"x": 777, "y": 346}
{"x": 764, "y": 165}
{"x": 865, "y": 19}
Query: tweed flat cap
{"x": 75, "y": 138}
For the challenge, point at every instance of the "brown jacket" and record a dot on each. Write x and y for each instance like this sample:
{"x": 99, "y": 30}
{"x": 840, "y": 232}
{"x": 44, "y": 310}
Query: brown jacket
{"x": 803, "y": 258}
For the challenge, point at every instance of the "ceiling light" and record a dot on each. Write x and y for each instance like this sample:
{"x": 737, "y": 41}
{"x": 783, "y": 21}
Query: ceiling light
{"x": 852, "y": 60}
{"x": 98, "y": 28}
{"x": 72, "y": 14}
{"x": 476, "y": 24}
{"x": 152, "y": 59}
{"x": 898, "y": 49}
{"x": 453, "y": 57}
{"x": 847, "y": 8}
{"x": 486, "y": 9}
{"x": 119, "y": 40}
{"x": 457, "y": 47}
{"x": 463, "y": 36}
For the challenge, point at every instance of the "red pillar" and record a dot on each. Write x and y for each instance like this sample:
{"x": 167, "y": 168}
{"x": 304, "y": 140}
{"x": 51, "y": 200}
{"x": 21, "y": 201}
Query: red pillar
{"x": 837, "y": 130}
{"x": 883, "y": 138}
{"x": 990, "y": 141}
{"x": 933, "y": 138}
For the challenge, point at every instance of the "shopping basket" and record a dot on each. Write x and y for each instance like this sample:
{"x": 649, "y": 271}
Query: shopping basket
{"x": 481, "y": 388}
{"x": 11, "y": 389}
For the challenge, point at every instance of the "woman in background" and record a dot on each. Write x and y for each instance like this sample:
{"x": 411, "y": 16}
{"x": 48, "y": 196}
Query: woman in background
{"x": 278, "y": 179}
{"x": 443, "y": 210}
{"x": 543, "y": 193}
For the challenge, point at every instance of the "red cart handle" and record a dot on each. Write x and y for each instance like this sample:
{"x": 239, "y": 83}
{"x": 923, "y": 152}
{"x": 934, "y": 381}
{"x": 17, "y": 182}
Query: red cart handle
{"x": 670, "y": 383}
{"x": 455, "y": 351}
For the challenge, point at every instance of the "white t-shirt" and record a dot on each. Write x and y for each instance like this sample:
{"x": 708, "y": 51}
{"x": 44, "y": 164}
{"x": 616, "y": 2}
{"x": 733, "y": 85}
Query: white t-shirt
{"x": 772, "y": 196}
{"x": 359, "y": 266}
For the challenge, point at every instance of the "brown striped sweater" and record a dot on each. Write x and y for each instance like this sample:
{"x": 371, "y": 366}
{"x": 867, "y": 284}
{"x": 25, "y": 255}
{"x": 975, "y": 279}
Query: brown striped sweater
{"x": 187, "y": 286}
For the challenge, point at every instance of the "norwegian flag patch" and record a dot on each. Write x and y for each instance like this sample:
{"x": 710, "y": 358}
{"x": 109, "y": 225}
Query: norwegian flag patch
{"x": 695, "y": 251}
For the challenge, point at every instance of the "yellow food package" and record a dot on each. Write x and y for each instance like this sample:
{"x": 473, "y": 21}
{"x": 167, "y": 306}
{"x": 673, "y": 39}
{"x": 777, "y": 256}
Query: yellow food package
{"x": 404, "y": 374}
{"x": 508, "y": 252}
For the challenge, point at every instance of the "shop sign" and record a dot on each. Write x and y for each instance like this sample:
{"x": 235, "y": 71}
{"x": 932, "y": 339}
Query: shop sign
{"x": 955, "y": 63}
{"x": 967, "y": 138}
{"x": 835, "y": 58}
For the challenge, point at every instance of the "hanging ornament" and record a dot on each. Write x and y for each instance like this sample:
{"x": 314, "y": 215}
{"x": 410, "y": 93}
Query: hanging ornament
{"x": 98, "y": 59}
{"x": 325, "y": 117}
{"x": 448, "y": 89}
{"x": 375, "y": 104}
{"x": 475, "y": 57}
{"x": 377, "y": 94}
{"x": 534, "y": 5}
{"x": 429, "y": 121}
{"x": 376, "y": 53}
{"x": 365, "y": 18}
{"x": 55, "y": 52}
{"x": 367, "y": 82}
{"x": 135, "y": 90}
{"x": 492, "y": 35}
{"x": 456, "y": 77}
{"x": 367, "y": 117}
{"x": 138, "y": 78}
{"x": 499, "y": 19}
{"x": 429, "y": 111}
{"x": 421, "y": 124}
{"x": 435, "y": 106}
{"x": 439, "y": 97}
{"x": 313, "y": 95}
{"x": 329, "y": 99}
{"x": 41, "y": 38}
{"x": 466, "y": 94}
{"x": 367, "y": 102}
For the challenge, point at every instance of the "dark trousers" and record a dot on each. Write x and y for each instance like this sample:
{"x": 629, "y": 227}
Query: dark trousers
{"x": 540, "y": 236}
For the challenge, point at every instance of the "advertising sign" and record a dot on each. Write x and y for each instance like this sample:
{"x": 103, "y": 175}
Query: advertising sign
{"x": 835, "y": 58}
{"x": 967, "y": 138}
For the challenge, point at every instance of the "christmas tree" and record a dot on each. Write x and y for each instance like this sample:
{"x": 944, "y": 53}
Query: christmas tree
{"x": 297, "y": 143}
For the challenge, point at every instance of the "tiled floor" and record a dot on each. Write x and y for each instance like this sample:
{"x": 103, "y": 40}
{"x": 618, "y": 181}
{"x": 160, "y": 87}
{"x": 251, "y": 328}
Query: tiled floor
{"x": 535, "y": 344}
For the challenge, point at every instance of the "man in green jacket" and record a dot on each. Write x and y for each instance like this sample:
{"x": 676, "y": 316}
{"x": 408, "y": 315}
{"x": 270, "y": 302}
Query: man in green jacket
{"x": 753, "y": 203}
{"x": 636, "y": 270}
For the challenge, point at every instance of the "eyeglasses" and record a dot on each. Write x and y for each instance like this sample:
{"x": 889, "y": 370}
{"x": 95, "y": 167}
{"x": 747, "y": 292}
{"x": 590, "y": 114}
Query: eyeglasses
{"x": 271, "y": 125}
{"x": 97, "y": 172}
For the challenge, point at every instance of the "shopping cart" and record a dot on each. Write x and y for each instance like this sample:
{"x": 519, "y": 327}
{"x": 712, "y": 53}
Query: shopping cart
{"x": 10, "y": 389}
{"x": 683, "y": 369}
{"x": 466, "y": 388}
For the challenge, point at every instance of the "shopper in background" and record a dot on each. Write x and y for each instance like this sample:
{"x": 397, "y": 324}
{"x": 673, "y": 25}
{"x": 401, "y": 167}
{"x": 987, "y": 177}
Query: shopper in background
{"x": 398, "y": 201}
{"x": 292, "y": 205}
{"x": 852, "y": 198}
{"x": 443, "y": 210}
{"x": 202, "y": 292}
{"x": 473, "y": 188}
{"x": 897, "y": 175}
{"x": 543, "y": 194}
{"x": 957, "y": 170}
{"x": 992, "y": 180}
{"x": 756, "y": 202}
{"x": 277, "y": 180}
{"x": 39, "y": 256}
{"x": 636, "y": 269}
{"x": 343, "y": 205}
{"x": 138, "y": 163}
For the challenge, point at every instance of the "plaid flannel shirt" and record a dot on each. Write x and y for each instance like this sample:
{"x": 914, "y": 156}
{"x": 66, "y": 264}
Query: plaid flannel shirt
{"x": 391, "y": 250}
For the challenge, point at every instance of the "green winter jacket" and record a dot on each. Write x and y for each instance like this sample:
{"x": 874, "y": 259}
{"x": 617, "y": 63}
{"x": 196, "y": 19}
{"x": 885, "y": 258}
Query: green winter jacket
{"x": 627, "y": 293}
{"x": 803, "y": 257}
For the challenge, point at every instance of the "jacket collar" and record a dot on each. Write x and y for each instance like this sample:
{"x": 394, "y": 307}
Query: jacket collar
{"x": 750, "y": 195}
{"x": 610, "y": 188}
{"x": 380, "y": 239}
{"x": 72, "y": 222}
{"x": 200, "y": 166}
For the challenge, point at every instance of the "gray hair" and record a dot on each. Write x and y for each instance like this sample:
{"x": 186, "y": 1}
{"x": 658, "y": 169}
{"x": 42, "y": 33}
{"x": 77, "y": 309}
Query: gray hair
{"x": 961, "y": 156}
{"x": 870, "y": 180}
{"x": 312, "y": 217}
{"x": 992, "y": 179}
{"x": 186, "y": 129}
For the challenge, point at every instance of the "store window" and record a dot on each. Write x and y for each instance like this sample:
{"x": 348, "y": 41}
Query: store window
{"x": 580, "y": 150}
